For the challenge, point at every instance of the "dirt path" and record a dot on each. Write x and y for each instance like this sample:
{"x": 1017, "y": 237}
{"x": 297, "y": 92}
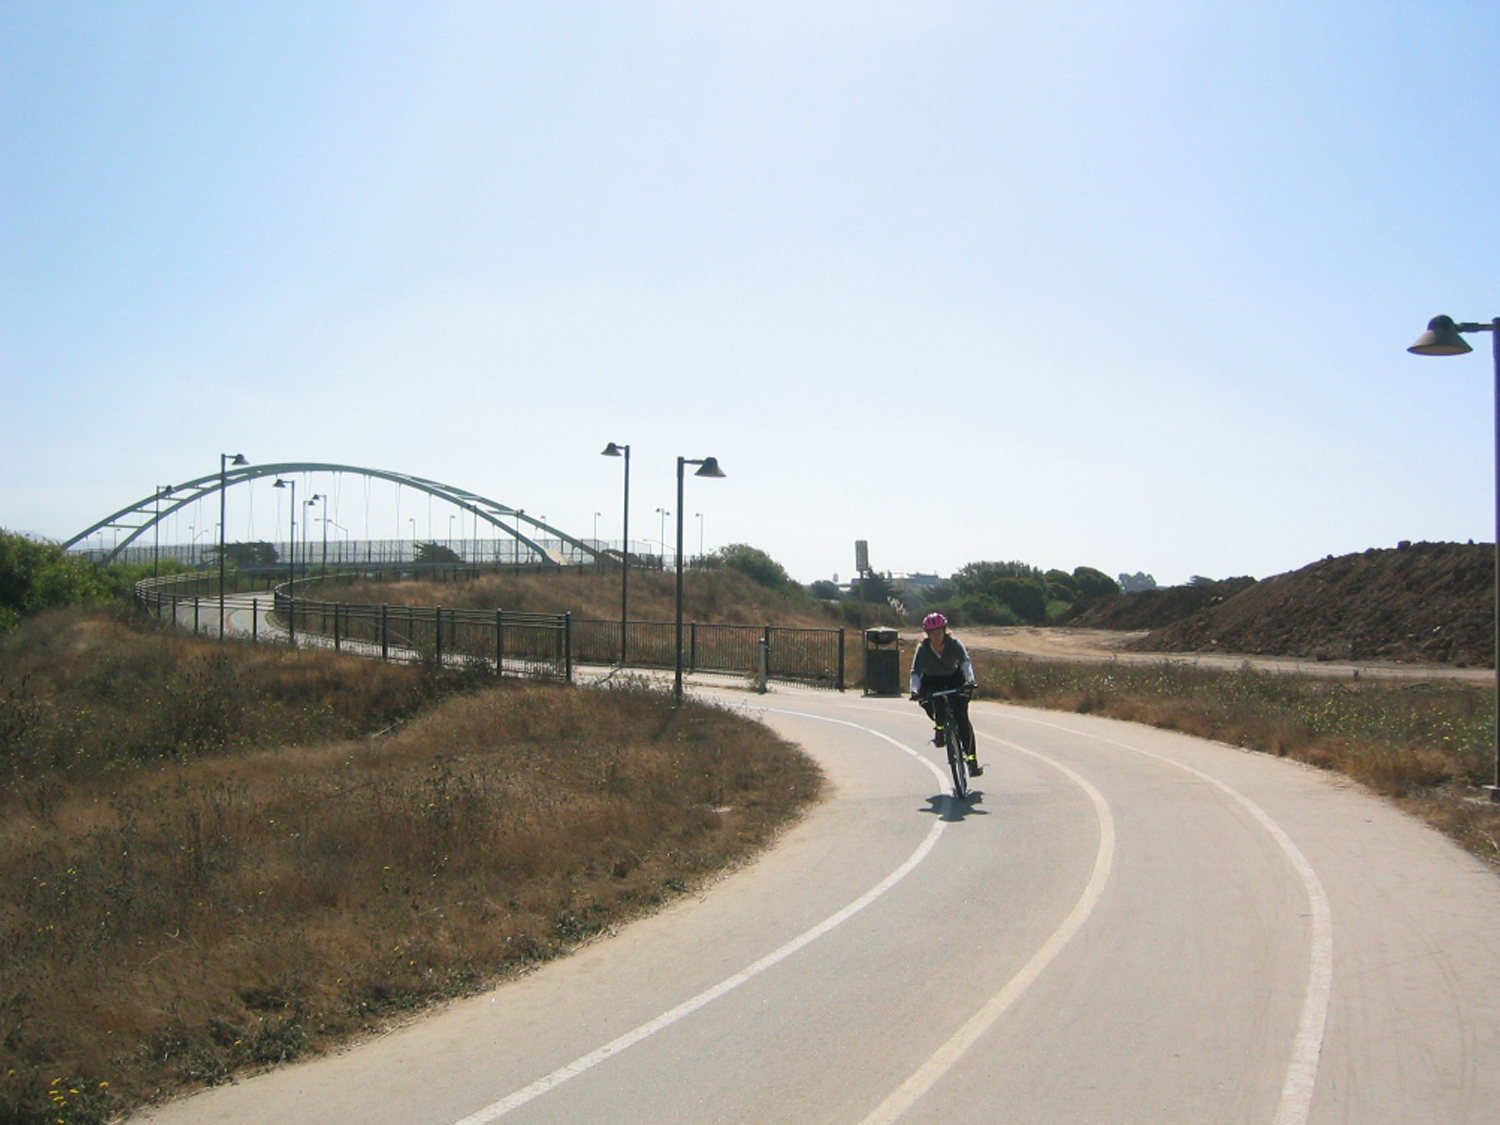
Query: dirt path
{"x": 1108, "y": 644}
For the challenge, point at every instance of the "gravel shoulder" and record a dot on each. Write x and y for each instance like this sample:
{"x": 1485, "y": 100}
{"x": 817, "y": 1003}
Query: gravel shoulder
{"x": 1092, "y": 645}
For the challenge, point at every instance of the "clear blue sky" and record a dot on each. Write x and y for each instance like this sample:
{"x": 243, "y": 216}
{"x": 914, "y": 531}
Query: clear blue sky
{"x": 1118, "y": 285}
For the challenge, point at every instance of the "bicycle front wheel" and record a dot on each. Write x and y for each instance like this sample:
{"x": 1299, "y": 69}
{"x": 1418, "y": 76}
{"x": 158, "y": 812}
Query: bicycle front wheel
{"x": 957, "y": 763}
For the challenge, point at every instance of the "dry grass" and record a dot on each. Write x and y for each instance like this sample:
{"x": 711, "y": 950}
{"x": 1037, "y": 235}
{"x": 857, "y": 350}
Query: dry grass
{"x": 179, "y": 917}
{"x": 82, "y": 694}
{"x": 1427, "y": 745}
{"x": 719, "y": 596}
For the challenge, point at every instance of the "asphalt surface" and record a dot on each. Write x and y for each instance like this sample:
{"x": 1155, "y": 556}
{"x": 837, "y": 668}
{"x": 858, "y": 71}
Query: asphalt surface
{"x": 1123, "y": 925}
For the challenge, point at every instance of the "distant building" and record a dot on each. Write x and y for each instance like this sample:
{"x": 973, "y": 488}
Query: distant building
{"x": 916, "y": 582}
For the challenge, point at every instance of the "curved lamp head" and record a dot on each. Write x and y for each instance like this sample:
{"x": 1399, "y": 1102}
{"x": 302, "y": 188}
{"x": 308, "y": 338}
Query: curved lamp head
{"x": 281, "y": 483}
{"x": 1441, "y": 338}
{"x": 613, "y": 450}
{"x": 710, "y": 468}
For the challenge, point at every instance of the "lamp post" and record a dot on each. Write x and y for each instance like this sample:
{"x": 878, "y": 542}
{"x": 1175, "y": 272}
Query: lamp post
{"x": 161, "y": 490}
{"x": 707, "y": 467}
{"x": 291, "y": 531}
{"x": 1444, "y": 337}
{"x": 343, "y": 543}
{"x": 613, "y": 450}
{"x": 225, "y": 460}
{"x": 661, "y": 531}
{"x": 699, "y": 516}
{"x": 307, "y": 519}
{"x": 291, "y": 554}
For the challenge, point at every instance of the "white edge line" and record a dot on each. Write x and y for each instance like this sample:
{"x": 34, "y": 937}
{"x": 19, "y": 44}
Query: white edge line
{"x": 946, "y": 1056}
{"x": 1307, "y": 1046}
{"x": 587, "y": 1062}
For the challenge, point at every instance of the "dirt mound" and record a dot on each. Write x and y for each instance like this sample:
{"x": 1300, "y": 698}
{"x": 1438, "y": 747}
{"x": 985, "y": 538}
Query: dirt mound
{"x": 1423, "y": 602}
{"x": 1153, "y": 609}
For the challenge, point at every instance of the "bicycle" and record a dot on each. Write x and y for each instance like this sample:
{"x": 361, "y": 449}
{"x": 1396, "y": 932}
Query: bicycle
{"x": 947, "y": 722}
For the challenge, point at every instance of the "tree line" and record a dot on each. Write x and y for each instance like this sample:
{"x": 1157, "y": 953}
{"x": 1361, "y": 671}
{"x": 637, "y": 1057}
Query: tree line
{"x": 36, "y": 575}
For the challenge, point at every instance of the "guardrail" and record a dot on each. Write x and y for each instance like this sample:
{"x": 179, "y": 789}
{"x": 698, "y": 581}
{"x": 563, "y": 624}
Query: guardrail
{"x": 521, "y": 643}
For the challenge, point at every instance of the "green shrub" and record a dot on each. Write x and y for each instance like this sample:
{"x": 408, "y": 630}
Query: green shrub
{"x": 1093, "y": 583}
{"x": 36, "y": 576}
{"x": 755, "y": 563}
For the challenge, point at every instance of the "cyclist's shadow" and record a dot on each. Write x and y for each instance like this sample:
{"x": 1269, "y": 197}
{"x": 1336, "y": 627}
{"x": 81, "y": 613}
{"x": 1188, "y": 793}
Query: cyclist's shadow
{"x": 952, "y": 809}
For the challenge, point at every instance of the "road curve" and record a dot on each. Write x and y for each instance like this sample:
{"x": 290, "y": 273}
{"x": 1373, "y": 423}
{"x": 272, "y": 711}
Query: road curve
{"x": 1124, "y": 925}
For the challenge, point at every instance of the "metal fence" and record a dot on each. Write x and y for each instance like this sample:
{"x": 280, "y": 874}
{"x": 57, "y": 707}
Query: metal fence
{"x": 526, "y": 644}
{"x": 307, "y": 555}
{"x": 530, "y": 644}
{"x": 775, "y": 652}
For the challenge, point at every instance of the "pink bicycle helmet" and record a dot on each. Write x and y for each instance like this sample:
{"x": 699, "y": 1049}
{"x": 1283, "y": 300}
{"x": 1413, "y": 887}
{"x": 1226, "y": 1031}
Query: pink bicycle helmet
{"x": 934, "y": 621}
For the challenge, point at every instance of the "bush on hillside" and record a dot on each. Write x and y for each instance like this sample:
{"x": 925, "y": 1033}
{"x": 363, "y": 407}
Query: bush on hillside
{"x": 1092, "y": 583}
{"x": 36, "y": 576}
{"x": 755, "y": 563}
{"x": 980, "y": 577}
{"x": 1025, "y": 597}
{"x": 1061, "y": 586}
{"x": 972, "y": 609}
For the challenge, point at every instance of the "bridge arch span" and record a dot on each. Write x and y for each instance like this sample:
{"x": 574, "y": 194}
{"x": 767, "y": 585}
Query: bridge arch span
{"x": 135, "y": 520}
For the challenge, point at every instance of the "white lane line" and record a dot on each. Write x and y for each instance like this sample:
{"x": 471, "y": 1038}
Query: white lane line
{"x": 1307, "y": 1046}
{"x": 587, "y": 1062}
{"x": 946, "y": 1056}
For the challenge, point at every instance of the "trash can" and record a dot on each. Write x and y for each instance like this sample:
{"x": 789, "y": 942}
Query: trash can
{"x": 882, "y": 662}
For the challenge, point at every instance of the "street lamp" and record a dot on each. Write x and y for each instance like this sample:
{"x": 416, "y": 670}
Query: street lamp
{"x": 306, "y": 553}
{"x": 699, "y": 516}
{"x": 161, "y": 490}
{"x": 291, "y": 556}
{"x": 613, "y": 450}
{"x": 1444, "y": 337}
{"x": 343, "y": 543}
{"x": 661, "y": 532}
{"x": 708, "y": 467}
{"x": 291, "y": 531}
{"x": 225, "y": 460}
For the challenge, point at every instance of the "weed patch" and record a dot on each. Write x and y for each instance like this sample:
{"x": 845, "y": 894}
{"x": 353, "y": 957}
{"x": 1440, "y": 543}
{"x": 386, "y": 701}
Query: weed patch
{"x": 720, "y": 596}
{"x": 1427, "y": 744}
{"x": 179, "y": 912}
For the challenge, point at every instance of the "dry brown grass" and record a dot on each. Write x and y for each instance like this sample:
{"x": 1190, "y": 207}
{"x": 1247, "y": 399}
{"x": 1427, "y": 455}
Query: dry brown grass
{"x": 718, "y": 596}
{"x": 85, "y": 693}
{"x": 1427, "y": 745}
{"x": 171, "y": 922}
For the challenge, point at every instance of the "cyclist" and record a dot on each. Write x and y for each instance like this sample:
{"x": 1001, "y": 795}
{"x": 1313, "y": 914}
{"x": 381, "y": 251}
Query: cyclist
{"x": 941, "y": 662}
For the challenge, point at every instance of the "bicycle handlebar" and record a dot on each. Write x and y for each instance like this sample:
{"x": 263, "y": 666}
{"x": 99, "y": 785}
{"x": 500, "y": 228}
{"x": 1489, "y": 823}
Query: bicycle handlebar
{"x": 967, "y": 689}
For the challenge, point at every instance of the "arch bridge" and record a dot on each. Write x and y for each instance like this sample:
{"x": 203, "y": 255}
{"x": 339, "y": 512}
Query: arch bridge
{"x": 134, "y": 521}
